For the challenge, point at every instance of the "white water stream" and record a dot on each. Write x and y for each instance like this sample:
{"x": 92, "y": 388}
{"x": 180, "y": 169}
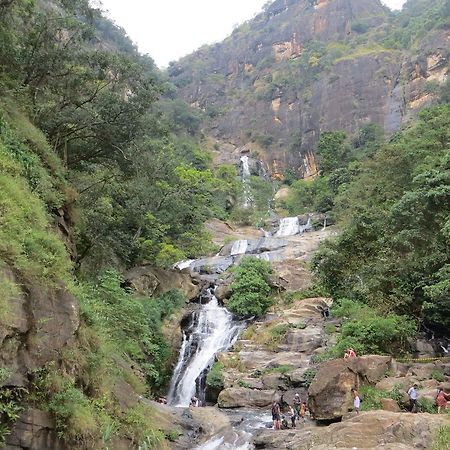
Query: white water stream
{"x": 239, "y": 247}
{"x": 211, "y": 331}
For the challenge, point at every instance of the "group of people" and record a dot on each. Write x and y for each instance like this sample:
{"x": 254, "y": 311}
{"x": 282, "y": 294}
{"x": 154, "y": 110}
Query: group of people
{"x": 281, "y": 411}
{"x": 441, "y": 399}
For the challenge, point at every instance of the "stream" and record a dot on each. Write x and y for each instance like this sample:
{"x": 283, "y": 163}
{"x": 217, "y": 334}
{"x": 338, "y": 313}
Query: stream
{"x": 211, "y": 329}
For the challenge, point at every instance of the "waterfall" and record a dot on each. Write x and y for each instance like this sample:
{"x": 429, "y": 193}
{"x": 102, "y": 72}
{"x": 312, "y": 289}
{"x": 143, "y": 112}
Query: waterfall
{"x": 246, "y": 181}
{"x": 183, "y": 264}
{"x": 239, "y": 247}
{"x": 212, "y": 330}
{"x": 306, "y": 227}
{"x": 245, "y": 167}
{"x": 288, "y": 227}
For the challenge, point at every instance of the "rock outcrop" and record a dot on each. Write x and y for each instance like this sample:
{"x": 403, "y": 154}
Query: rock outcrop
{"x": 152, "y": 281}
{"x": 371, "y": 430}
{"x": 300, "y": 68}
{"x": 329, "y": 393}
{"x": 41, "y": 321}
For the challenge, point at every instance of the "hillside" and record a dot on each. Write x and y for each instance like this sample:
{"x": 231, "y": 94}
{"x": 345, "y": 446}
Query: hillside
{"x": 303, "y": 67}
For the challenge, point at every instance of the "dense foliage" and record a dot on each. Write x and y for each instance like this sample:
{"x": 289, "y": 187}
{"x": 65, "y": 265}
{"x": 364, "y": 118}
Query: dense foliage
{"x": 394, "y": 251}
{"x": 251, "y": 289}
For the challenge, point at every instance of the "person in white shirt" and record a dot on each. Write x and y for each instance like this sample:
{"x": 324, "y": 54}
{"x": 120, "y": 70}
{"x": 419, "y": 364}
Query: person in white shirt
{"x": 412, "y": 393}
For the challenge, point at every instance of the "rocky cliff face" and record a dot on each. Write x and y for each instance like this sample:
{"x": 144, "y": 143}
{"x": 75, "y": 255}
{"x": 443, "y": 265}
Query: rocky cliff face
{"x": 302, "y": 67}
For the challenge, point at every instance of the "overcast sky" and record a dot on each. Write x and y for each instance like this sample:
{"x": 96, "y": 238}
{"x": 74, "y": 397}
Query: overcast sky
{"x": 170, "y": 29}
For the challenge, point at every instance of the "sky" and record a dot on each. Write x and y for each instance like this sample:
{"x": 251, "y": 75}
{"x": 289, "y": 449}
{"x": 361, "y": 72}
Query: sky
{"x": 170, "y": 29}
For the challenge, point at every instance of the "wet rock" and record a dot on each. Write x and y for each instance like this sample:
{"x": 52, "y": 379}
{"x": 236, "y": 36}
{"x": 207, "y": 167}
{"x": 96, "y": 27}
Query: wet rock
{"x": 241, "y": 397}
{"x": 223, "y": 292}
{"x": 213, "y": 265}
{"x": 329, "y": 393}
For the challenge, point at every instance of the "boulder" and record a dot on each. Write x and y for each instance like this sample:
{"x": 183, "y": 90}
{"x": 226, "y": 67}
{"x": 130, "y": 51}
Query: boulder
{"x": 149, "y": 281}
{"x": 223, "y": 292}
{"x": 371, "y": 430}
{"x": 303, "y": 340}
{"x": 242, "y": 397}
{"x": 329, "y": 393}
{"x": 35, "y": 430}
{"x": 388, "y": 404}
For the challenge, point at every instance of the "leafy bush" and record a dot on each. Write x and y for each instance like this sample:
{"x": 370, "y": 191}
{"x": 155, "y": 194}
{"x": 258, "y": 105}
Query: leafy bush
{"x": 308, "y": 377}
{"x": 368, "y": 332}
{"x": 251, "y": 290}
{"x": 134, "y": 325}
{"x": 215, "y": 379}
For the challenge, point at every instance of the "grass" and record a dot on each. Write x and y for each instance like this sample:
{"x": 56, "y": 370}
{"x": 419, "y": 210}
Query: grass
{"x": 442, "y": 439}
{"x": 26, "y": 241}
{"x": 8, "y": 291}
{"x": 364, "y": 50}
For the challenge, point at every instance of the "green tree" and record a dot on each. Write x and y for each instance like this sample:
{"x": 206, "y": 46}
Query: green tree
{"x": 251, "y": 290}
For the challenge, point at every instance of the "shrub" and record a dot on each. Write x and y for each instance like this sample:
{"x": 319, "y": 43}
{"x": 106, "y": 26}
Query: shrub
{"x": 308, "y": 377}
{"x": 215, "y": 378}
{"x": 251, "y": 290}
{"x": 368, "y": 332}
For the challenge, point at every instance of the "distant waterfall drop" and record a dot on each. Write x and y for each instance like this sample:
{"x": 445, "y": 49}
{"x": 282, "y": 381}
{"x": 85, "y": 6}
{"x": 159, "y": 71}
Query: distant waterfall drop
{"x": 245, "y": 170}
{"x": 239, "y": 247}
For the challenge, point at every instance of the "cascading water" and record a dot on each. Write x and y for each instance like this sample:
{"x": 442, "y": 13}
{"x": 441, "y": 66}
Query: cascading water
{"x": 245, "y": 181}
{"x": 239, "y": 247}
{"x": 288, "y": 227}
{"x": 211, "y": 331}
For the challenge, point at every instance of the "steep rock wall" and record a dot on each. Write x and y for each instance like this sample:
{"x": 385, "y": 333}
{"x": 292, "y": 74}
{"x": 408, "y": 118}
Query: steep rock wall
{"x": 303, "y": 67}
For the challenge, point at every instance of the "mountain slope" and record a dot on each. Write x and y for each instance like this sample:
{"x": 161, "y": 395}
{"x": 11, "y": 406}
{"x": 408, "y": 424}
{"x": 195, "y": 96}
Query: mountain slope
{"x": 303, "y": 66}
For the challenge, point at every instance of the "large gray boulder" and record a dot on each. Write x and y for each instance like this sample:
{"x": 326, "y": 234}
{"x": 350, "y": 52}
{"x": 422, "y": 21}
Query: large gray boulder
{"x": 329, "y": 393}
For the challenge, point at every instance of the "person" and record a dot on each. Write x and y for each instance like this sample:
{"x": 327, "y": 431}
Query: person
{"x": 284, "y": 423}
{"x": 303, "y": 409}
{"x": 412, "y": 393}
{"x": 292, "y": 415}
{"x": 350, "y": 353}
{"x": 276, "y": 415}
{"x": 356, "y": 400}
{"x": 195, "y": 402}
{"x": 441, "y": 400}
{"x": 297, "y": 403}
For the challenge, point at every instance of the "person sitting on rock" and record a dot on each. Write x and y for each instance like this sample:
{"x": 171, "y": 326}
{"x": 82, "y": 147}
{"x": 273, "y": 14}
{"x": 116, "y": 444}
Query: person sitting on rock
{"x": 350, "y": 353}
{"x": 195, "y": 402}
{"x": 441, "y": 400}
{"x": 276, "y": 415}
{"x": 356, "y": 400}
{"x": 412, "y": 393}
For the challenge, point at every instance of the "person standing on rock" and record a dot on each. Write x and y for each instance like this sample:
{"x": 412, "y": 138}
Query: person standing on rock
{"x": 297, "y": 404}
{"x": 303, "y": 409}
{"x": 441, "y": 400}
{"x": 276, "y": 415}
{"x": 356, "y": 400}
{"x": 412, "y": 393}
